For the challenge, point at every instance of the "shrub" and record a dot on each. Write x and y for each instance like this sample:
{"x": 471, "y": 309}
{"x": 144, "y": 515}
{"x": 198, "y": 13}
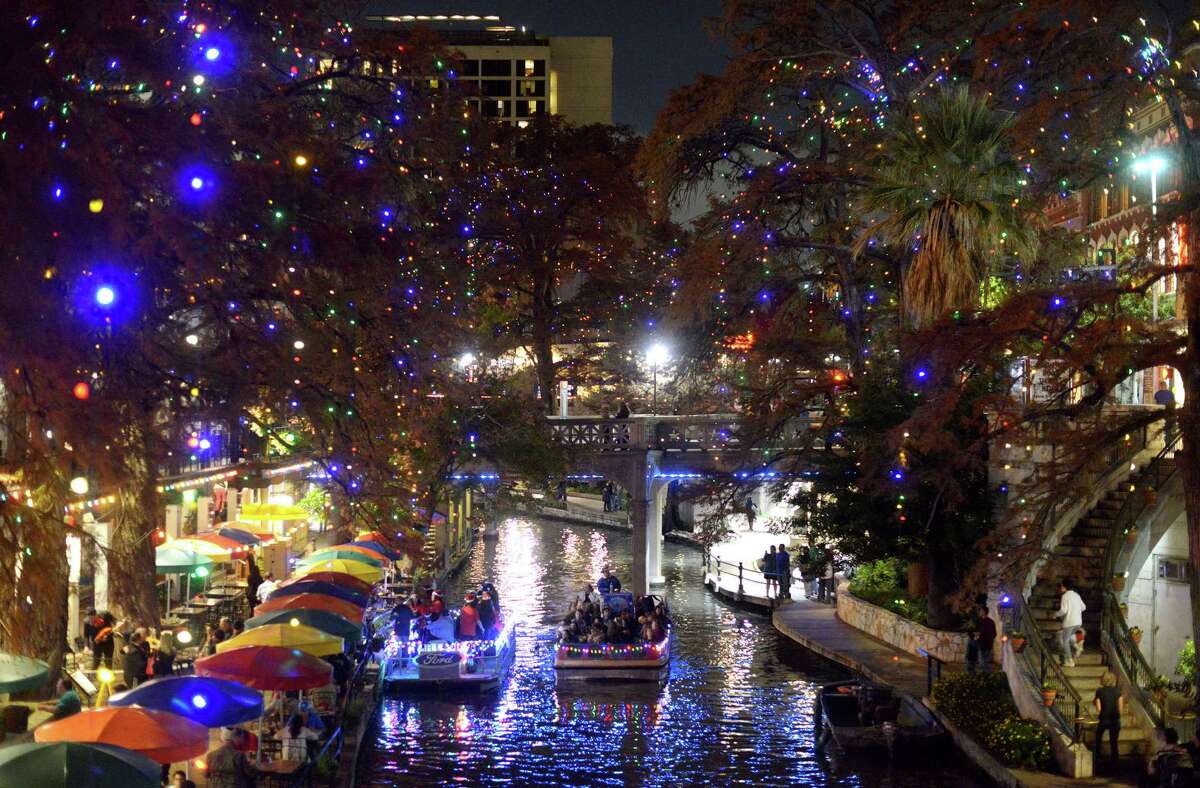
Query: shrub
{"x": 974, "y": 702}
{"x": 1186, "y": 666}
{"x": 1019, "y": 742}
{"x": 887, "y": 576}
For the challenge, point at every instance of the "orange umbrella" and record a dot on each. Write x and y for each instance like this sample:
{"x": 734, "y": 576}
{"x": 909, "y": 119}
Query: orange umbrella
{"x": 161, "y": 736}
{"x": 347, "y": 610}
{"x": 268, "y": 667}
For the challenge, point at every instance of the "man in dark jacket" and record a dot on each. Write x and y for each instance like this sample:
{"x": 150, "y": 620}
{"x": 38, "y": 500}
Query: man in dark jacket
{"x": 783, "y": 572}
{"x": 137, "y": 656}
{"x": 227, "y": 766}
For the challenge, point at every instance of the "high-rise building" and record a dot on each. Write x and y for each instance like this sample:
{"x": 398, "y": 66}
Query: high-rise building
{"x": 515, "y": 75}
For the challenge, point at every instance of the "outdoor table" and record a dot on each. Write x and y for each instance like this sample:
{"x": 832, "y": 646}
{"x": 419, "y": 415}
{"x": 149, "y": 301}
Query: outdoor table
{"x": 279, "y": 773}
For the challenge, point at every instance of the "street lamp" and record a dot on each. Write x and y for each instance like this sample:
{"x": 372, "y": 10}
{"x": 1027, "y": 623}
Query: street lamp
{"x": 465, "y": 362}
{"x": 1151, "y": 164}
{"x": 657, "y": 355}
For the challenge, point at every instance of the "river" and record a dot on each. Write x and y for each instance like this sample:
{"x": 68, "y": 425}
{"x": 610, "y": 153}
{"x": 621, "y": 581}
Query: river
{"x": 737, "y": 710}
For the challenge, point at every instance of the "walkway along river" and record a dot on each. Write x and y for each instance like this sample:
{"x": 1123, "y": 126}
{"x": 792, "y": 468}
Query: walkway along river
{"x": 737, "y": 710}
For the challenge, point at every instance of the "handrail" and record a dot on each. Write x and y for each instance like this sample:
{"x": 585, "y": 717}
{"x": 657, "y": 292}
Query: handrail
{"x": 714, "y": 567}
{"x": 1115, "y": 634}
{"x": 1042, "y": 669}
{"x": 1114, "y": 631}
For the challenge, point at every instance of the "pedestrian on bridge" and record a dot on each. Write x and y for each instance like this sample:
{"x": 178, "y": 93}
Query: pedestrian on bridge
{"x": 1070, "y": 610}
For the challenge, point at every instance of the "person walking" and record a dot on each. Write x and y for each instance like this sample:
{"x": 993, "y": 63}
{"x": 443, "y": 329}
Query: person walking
{"x": 783, "y": 572}
{"x": 254, "y": 580}
{"x": 1110, "y": 705}
{"x": 825, "y": 588}
{"x": 608, "y": 495}
{"x": 768, "y": 567}
{"x": 1070, "y": 610}
{"x": 1165, "y": 397}
{"x": 981, "y": 643}
{"x": 751, "y": 512}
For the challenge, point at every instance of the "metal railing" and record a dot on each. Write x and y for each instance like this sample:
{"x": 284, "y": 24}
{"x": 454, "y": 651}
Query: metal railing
{"x": 1041, "y": 667}
{"x": 1114, "y": 631}
{"x": 717, "y": 570}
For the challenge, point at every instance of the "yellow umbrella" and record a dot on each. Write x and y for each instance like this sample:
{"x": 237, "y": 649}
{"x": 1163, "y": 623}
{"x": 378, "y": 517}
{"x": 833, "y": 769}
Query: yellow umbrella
{"x": 271, "y": 511}
{"x": 202, "y": 547}
{"x": 367, "y": 572}
{"x": 297, "y": 636}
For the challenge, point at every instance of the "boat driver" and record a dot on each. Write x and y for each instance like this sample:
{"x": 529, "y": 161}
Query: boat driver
{"x": 608, "y": 582}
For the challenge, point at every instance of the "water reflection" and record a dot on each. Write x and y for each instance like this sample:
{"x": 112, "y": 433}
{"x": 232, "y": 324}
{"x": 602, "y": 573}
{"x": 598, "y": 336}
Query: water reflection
{"x": 737, "y": 711}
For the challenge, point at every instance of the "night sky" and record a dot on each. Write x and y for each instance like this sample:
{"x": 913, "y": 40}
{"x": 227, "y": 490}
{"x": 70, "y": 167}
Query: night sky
{"x": 658, "y": 45}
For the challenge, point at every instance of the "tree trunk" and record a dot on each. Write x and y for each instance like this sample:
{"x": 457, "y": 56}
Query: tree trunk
{"x": 943, "y": 582}
{"x": 131, "y": 554}
{"x": 543, "y": 352}
{"x": 1189, "y": 426}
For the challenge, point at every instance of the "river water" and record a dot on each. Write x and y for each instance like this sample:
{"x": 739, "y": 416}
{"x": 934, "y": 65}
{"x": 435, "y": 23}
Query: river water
{"x": 737, "y": 710}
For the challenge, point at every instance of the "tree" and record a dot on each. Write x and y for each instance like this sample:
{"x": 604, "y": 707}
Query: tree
{"x": 557, "y": 248}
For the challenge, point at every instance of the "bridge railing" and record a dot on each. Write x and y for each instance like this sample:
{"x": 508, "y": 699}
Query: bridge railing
{"x": 715, "y": 432}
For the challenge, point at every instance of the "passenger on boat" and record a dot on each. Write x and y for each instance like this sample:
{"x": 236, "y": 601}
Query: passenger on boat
{"x": 436, "y": 605}
{"x": 587, "y": 596}
{"x": 439, "y": 628}
{"x": 608, "y": 583}
{"x": 468, "y": 620}
{"x": 487, "y": 614}
{"x": 486, "y": 587}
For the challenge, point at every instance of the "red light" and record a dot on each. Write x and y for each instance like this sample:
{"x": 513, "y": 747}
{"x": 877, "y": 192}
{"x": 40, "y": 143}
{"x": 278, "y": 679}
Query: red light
{"x": 193, "y": 442}
{"x": 196, "y": 119}
{"x": 81, "y": 391}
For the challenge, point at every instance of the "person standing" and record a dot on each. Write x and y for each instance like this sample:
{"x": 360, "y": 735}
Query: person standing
{"x": 1070, "y": 610}
{"x": 608, "y": 494}
{"x": 254, "y": 581}
{"x": 751, "y": 512}
{"x": 768, "y": 567}
{"x": 981, "y": 643}
{"x": 783, "y": 572}
{"x": 266, "y": 588}
{"x": 825, "y": 584}
{"x": 136, "y": 658}
{"x": 1109, "y": 705}
{"x": 1165, "y": 397}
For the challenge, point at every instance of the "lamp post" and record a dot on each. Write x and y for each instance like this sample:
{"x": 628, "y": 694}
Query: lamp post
{"x": 465, "y": 362}
{"x": 1152, "y": 164}
{"x": 656, "y": 355}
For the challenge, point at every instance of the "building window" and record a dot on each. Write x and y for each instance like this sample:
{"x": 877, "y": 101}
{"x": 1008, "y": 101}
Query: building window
{"x": 496, "y": 87}
{"x": 531, "y": 87}
{"x": 470, "y": 68}
{"x": 531, "y": 68}
{"x": 1173, "y": 569}
{"x": 497, "y": 68}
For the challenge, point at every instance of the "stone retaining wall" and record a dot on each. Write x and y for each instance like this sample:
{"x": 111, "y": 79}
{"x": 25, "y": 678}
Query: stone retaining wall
{"x": 900, "y": 632}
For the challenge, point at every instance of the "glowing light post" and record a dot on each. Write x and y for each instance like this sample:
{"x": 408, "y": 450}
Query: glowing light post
{"x": 657, "y": 355}
{"x": 1152, "y": 164}
{"x": 466, "y": 363}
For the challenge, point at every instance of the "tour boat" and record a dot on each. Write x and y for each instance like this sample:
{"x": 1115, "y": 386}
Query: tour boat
{"x": 638, "y": 661}
{"x": 468, "y": 665}
{"x": 860, "y": 715}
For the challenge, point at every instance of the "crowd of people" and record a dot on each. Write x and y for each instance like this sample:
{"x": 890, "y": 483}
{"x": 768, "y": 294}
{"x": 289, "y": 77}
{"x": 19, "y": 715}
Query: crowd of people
{"x": 424, "y": 617}
{"x": 144, "y": 653}
{"x": 609, "y": 617}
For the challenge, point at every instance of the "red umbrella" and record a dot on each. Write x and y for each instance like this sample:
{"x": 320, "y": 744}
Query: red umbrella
{"x": 267, "y": 668}
{"x": 159, "y": 735}
{"x": 337, "y": 578}
{"x": 347, "y": 610}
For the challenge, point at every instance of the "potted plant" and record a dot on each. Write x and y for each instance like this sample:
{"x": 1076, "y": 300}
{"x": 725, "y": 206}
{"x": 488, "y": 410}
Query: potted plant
{"x": 1048, "y": 696}
{"x": 1158, "y": 689}
{"x": 1017, "y": 639}
{"x": 1135, "y": 634}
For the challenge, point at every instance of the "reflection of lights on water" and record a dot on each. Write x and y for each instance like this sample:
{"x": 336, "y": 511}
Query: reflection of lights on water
{"x": 598, "y": 553}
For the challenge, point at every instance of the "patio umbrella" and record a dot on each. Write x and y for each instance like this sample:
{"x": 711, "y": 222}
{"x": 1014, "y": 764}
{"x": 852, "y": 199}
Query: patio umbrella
{"x": 363, "y": 571}
{"x": 271, "y": 511}
{"x": 308, "y": 639}
{"x": 214, "y": 703}
{"x": 242, "y": 532}
{"x": 377, "y": 547}
{"x": 161, "y": 736}
{"x": 337, "y": 578}
{"x": 306, "y": 586}
{"x": 329, "y": 623}
{"x": 340, "y": 553}
{"x": 71, "y": 764}
{"x": 18, "y": 673}
{"x": 202, "y": 547}
{"x": 268, "y": 668}
{"x": 177, "y": 559}
{"x": 247, "y": 538}
{"x": 347, "y": 610}
{"x": 232, "y": 546}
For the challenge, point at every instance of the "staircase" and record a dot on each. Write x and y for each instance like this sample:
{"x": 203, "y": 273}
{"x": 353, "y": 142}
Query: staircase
{"x": 1080, "y": 555}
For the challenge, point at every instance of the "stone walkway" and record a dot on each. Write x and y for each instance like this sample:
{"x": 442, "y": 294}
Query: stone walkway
{"x": 817, "y": 627}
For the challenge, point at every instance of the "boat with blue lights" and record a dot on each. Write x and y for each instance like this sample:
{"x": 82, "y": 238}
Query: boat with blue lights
{"x": 639, "y": 660}
{"x": 419, "y": 663}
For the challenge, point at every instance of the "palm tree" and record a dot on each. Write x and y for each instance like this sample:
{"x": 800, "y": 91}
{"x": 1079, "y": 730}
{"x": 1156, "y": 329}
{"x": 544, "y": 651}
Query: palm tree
{"x": 945, "y": 185}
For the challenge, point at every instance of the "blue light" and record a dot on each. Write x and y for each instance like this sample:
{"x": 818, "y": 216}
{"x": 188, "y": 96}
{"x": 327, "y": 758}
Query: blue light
{"x": 105, "y": 295}
{"x": 897, "y": 475}
{"x": 1057, "y": 301}
{"x": 211, "y": 54}
{"x": 922, "y": 373}
{"x": 199, "y": 701}
{"x": 197, "y": 183}
{"x": 1005, "y": 601}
